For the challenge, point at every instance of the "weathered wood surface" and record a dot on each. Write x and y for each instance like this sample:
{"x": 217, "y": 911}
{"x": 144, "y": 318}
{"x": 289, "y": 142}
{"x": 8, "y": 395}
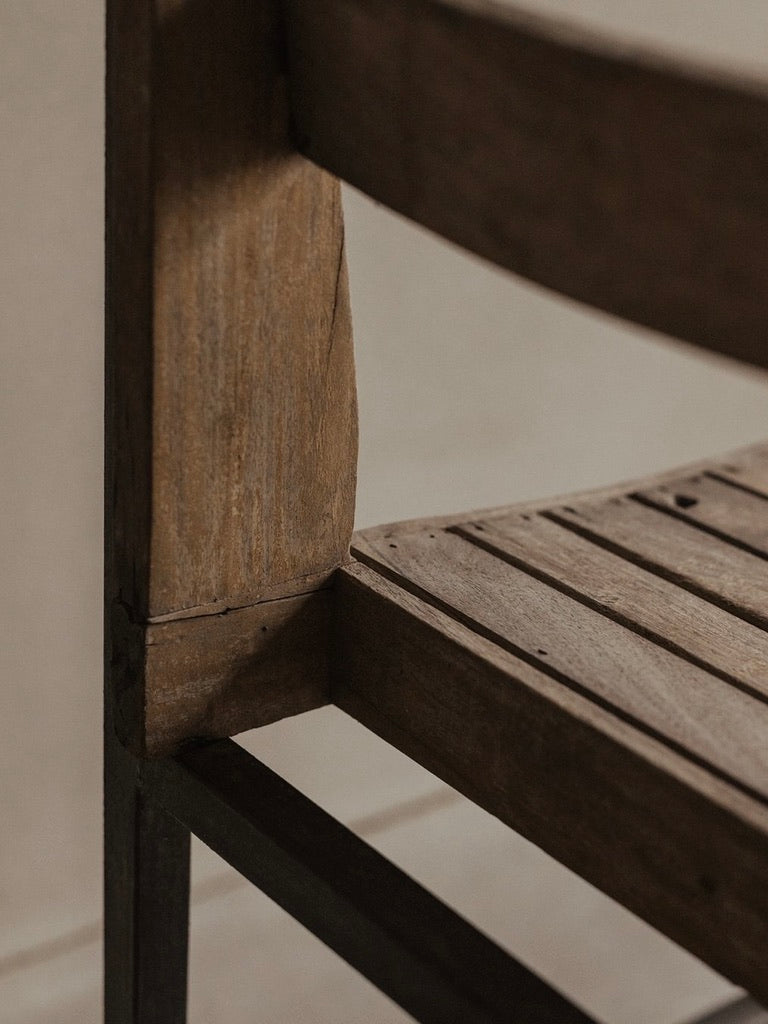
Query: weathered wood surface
{"x": 574, "y": 670}
{"x": 613, "y": 176}
{"x": 699, "y": 631}
{"x": 231, "y": 418}
{"x": 714, "y": 569}
{"x": 736, "y": 516}
{"x": 218, "y": 675}
{"x": 665, "y": 695}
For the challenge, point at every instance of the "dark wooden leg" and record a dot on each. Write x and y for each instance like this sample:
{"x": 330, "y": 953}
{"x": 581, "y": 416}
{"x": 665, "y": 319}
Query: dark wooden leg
{"x": 426, "y": 957}
{"x": 146, "y": 899}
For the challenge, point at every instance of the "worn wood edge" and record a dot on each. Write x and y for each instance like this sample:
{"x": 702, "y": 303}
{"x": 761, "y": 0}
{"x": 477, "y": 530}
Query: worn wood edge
{"x": 735, "y": 457}
{"x": 596, "y": 39}
{"x": 664, "y": 498}
{"x": 237, "y": 602}
{"x": 218, "y": 675}
{"x": 352, "y": 99}
{"x": 146, "y": 897}
{"x": 676, "y": 845}
{"x": 495, "y": 539}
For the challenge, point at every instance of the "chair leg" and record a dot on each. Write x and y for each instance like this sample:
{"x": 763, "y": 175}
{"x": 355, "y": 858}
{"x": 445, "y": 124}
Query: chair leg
{"x": 146, "y": 889}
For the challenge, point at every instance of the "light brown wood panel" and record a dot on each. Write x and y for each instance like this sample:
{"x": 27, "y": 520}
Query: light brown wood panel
{"x": 678, "y": 846}
{"x": 231, "y": 416}
{"x": 749, "y": 471}
{"x": 734, "y": 579}
{"x": 619, "y": 178}
{"x": 728, "y": 512}
{"x": 671, "y": 616}
{"x": 669, "y": 697}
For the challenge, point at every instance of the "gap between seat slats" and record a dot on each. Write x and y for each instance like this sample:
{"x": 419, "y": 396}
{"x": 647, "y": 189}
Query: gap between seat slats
{"x": 622, "y": 602}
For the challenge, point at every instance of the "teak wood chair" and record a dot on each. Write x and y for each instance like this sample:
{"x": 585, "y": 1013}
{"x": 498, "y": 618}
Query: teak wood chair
{"x": 594, "y": 670}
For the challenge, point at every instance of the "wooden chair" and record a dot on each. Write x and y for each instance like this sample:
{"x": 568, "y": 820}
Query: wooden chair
{"x": 592, "y": 670}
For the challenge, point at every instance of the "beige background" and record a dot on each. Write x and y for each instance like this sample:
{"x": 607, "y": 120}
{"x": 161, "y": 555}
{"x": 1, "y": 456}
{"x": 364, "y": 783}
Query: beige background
{"x": 475, "y": 389}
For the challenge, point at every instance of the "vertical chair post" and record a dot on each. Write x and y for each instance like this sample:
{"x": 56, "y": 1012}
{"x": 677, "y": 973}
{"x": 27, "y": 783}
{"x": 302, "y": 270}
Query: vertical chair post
{"x": 231, "y": 416}
{"x": 230, "y": 436}
{"x": 147, "y": 900}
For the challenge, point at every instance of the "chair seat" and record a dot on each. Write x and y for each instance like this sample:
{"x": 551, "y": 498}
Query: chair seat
{"x": 593, "y": 671}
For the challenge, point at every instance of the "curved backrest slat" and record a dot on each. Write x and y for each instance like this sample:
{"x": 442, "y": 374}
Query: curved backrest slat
{"x": 623, "y": 180}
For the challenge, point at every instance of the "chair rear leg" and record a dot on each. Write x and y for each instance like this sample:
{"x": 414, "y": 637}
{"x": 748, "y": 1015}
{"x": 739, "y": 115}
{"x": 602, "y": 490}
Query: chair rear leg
{"x": 146, "y": 889}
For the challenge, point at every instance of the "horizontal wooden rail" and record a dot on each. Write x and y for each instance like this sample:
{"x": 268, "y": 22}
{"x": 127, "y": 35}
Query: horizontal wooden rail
{"x": 623, "y": 180}
{"x": 627, "y": 809}
{"x": 401, "y": 938}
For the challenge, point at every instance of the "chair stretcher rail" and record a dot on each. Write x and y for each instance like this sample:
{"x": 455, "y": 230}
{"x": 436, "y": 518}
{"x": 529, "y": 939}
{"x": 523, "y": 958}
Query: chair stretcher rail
{"x": 409, "y": 944}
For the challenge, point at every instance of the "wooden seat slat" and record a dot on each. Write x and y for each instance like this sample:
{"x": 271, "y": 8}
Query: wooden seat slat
{"x": 749, "y": 472}
{"x": 679, "y": 846}
{"x": 687, "y": 707}
{"x": 703, "y": 632}
{"x": 728, "y": 512}
{"x": 730, "y": 577}
{"x": 485, "y": 647}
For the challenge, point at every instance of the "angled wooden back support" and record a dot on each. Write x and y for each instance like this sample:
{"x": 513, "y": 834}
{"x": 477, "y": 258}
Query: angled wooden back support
{"x": 618, "y": 178}
{"x": 614, "y": 178}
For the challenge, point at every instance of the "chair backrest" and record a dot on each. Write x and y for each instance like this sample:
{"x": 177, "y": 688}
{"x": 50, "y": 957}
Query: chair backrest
{"x": 627, "y": 181}
{"x": 619, "y": 179}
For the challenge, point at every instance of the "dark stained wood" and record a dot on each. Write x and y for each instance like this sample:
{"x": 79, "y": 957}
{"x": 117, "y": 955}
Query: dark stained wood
{"x": 146, "y": 906}
{"x": 681, "y": 847}
{"x": 613, "y": 176}
{"x": 728, "y": 512}
{"x": 231, "y": 417}
{"x": 667, "y": 696}
{"x": 635, "y": 597}
{"x": 712, "y": 568}
{"x": 399, "y": 936}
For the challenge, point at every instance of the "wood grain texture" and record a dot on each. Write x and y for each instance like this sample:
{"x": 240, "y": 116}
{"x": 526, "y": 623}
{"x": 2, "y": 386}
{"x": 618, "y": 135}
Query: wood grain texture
{"x": 216, "y": 675}
{"x": 750, "y": 471}
{"x": 682, "y": 848}
{"x": 732, "y": 513}
{"x": 635, "y": 597}
{"x": 231, "y": 415}
{"x": 644, "y": 683}
{"x": 722, "y": 573}
{"x": 612, "y": 176}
